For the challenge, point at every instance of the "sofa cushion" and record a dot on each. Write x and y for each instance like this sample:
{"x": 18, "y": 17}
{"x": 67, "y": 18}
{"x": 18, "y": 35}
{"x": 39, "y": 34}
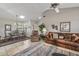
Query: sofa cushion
{"x": 55, "y": 35}
{"x": 68, "y": 43}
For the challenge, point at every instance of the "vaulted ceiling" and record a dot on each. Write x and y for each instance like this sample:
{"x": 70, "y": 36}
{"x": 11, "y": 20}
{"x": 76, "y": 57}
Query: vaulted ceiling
{"x": 31, "y": 11}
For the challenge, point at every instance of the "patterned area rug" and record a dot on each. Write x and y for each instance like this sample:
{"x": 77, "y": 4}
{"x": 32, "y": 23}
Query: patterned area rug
{"x": 43, "y": 49}
{"x": 38, "y": 49}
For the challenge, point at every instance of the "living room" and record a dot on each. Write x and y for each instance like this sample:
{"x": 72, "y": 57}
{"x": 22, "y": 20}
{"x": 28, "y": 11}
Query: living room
{"x": 39, "y": 29}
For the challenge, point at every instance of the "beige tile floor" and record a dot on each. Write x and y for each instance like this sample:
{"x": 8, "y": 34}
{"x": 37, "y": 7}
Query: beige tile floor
{"x": 28, "y": 48}
{"x": 44, "y": 49}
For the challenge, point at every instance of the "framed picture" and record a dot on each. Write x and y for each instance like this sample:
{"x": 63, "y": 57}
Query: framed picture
{"x": 7, "y": 29}
{"x": 65, "y": 26}
{"x": 54, "y": 27}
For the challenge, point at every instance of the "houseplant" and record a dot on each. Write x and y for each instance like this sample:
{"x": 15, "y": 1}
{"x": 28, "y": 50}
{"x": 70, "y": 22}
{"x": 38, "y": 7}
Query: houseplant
{"x": 41, "y": 27}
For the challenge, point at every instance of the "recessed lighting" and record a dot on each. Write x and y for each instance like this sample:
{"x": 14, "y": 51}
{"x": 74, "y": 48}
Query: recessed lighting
{"x": 22, "y": 17}
{"x": 39, "y": 17}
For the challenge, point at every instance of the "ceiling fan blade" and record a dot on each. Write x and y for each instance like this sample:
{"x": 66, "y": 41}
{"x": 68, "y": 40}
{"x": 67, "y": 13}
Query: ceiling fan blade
{"x": 54, "y": 5}
{"x": 45, "y": 11}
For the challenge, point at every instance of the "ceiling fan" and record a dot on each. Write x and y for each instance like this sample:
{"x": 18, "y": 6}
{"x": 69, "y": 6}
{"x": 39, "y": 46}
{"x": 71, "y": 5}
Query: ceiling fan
{"x": 53, "y": 6}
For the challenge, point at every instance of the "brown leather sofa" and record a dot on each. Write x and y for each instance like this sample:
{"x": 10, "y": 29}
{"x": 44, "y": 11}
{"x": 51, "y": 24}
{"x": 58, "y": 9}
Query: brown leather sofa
{"x": 73, "y": 45}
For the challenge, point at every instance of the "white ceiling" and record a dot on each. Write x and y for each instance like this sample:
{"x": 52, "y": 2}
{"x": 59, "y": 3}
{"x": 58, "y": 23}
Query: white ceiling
{"x": 29, "y": 10}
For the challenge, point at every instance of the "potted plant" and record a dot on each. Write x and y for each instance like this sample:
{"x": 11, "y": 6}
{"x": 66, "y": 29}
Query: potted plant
{"x": 41, "y": 27}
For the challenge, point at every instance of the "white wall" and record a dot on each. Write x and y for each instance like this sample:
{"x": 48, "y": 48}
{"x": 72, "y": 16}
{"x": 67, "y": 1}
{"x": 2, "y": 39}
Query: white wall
{"x": 65, "y": 15}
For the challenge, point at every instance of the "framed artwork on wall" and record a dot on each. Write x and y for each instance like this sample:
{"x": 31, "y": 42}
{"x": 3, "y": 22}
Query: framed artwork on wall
{"x": 54, "y": 27}
{"x": 65, "y": 26}
{"x": 7, "y": 29}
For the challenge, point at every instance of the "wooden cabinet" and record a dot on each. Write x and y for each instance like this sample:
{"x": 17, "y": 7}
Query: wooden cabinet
{"x": 35, "y": 36}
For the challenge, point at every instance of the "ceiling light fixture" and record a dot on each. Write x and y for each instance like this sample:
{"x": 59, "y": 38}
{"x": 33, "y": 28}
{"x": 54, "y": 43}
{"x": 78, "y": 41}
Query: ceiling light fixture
{"x": 55, "y": 7}
{"x": 22, "y": 17}
{"x": 57, "y": 10}
{"x": 39, "y": 17}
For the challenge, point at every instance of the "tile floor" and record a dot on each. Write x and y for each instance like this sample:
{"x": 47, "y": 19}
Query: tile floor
{"x": 44, "y": 49}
